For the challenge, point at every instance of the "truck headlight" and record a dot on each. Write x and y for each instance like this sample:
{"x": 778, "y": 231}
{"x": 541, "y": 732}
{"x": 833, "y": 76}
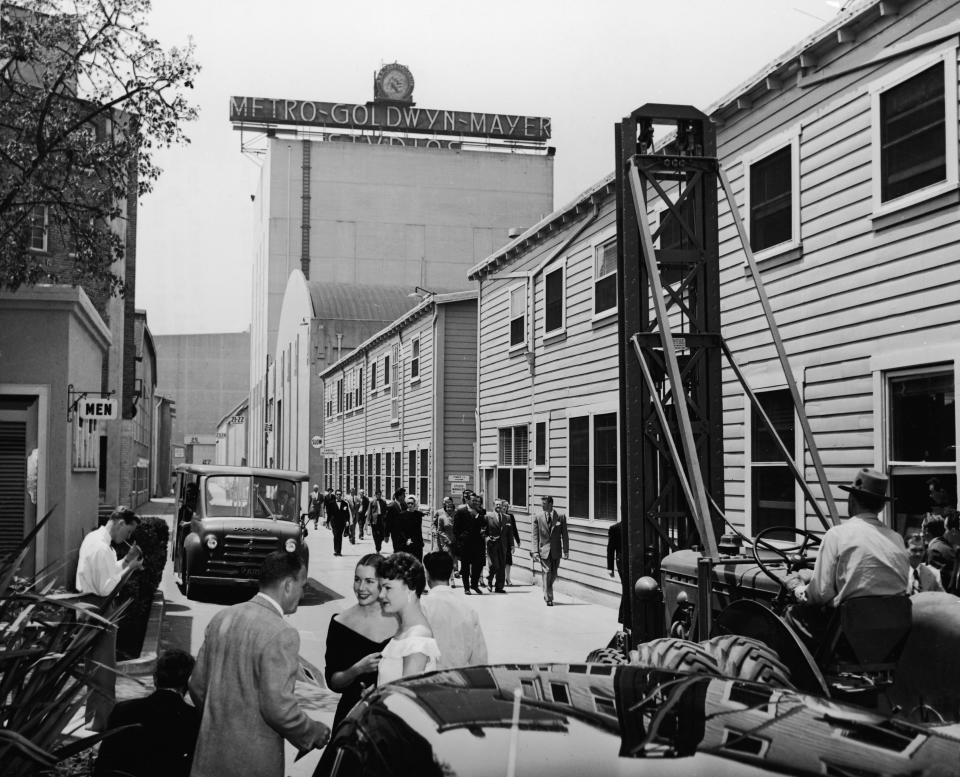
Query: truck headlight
{"x": 211, "y": 541}
{"x": 290, "y": 545}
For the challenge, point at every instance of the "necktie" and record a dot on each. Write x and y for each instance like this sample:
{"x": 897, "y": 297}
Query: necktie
{"x": 915, "y": 587}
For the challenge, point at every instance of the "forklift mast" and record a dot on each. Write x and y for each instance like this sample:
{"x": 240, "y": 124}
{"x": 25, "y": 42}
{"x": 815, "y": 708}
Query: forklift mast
{"x": 670, "y": 349}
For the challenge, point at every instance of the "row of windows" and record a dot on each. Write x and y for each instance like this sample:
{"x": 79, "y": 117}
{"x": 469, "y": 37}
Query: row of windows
{"x": 914, "y": 150}
{"x": 380, "y": 472}
{"x": 592, "y": 480}
{"x": 348, "y": 393}
{"x": 919, "y": 443}
{"x": 554, "y": 299}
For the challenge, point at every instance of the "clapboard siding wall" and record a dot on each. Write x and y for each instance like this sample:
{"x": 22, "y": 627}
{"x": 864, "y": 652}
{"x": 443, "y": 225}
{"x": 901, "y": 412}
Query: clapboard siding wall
{"x": 549, "y": 378}
{"x": 868, "y": 289}
{"x": 409, "y": 413}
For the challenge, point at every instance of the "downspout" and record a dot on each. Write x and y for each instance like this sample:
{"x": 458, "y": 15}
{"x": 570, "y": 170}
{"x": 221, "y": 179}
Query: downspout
{"x": 476, "y": 410}
{"x": 439, "y": 399}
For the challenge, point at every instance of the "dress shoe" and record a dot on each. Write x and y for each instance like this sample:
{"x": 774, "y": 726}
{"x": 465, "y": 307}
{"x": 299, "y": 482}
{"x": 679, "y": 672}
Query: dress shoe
{"x": 476, "y": 589}
{"x": 550, "y": 603}
{"x": 468, "y": 592}
{"x": 499, "y": 591}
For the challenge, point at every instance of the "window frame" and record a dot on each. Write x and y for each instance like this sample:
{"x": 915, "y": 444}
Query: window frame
{"x": 561, "y": 330}
{"x": 373, "y": 377}
{"x": 415, "y": 359}
{"x": 541, "y": 418}
{"x": 45, "y": 228}
{"x": 948, "y": 56}
{"x": 522, "y": 343}
{"x": 512, "y": 497}
{"x": 798, "y": 453}
{"x": 597, "y": 247}
{"x": 395, "y": 385}
{"x": 789, "y": 138}
{"x": 590, "y": 414}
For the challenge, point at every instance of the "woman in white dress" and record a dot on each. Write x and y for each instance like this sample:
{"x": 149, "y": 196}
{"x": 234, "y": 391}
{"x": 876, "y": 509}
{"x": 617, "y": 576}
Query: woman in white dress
{"x": 413, "y": 649}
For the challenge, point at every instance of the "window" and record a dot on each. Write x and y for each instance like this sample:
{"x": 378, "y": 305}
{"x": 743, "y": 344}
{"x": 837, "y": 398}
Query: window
{"x": 592, "y": 477}
{"x": 386, "y": 369}
{"x": 518, "y": 315}
{"x": 38, "y": 228}
{"x": 348, "y": 395}
{"x": 915, "y": 131}
{"x": 771, "y": 195}
{"x": 377, "y": 486}
{"x": 415, "y": 359}
{"x": 424, "y": 484}
{"x": 359, "y": 389}
{"x": 921, "y": 444}
{"x": 369, "y": 474}
{"x": 512, "y": 465}
{"x": 553, "y": 301}
{"x": 340, "y": 473}
{"x": 772, "y": 485}
{"x": 394, "y": 391}
{"x": 397, "y": 474}
{"x": 412, "y": 474}
{"x": 340, "y": 395}
{"x": 388, "y": 486}
{"x": 605, "y": 277}
{"x": 346, "y": 484}
{"x": 541, "y": 441}
{"x": 373, "y": 377}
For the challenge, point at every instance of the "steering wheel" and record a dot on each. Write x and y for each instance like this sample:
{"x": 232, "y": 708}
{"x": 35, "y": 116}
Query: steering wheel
{"x": 794, "y": 556}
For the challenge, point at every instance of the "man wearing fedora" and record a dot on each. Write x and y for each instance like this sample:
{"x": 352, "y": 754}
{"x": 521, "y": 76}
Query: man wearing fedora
{"x": 859, "y": 557}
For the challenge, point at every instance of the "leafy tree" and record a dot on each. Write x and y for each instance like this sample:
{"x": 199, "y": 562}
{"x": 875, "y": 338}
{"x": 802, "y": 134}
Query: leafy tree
{"x": 86, "y": 96}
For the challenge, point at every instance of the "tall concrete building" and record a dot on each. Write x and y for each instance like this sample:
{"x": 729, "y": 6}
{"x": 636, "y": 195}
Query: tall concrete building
{"x": 382, "y": 193}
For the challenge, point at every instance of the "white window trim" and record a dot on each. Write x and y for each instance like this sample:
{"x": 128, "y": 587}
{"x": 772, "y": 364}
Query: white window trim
{"x": 601, "y": 408}
{"x": 419, "y": 359}
{"x": 561, "y": 331}
{"x": 395, "y": 383}
{"x": 603, "y": 315}
{"x": 373, "y": 372}
{"x": 522, "y": 345}
{"x": 541, "y": 418}
{"x": 799, "y": 500}
{"x": 46, "y": 231}
{"x": 528, "y": 466}
{"x": 789, "y": 138}
{"x": 948, "y": 56}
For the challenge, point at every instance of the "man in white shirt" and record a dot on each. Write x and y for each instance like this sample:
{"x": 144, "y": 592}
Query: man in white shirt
{"x": 99, "y": 574}
{"x": 455, "y": 625}
{"x": 922, "y": 577}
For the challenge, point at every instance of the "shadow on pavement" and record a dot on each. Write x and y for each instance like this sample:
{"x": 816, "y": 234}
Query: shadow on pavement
{"x": 316, "y": 593}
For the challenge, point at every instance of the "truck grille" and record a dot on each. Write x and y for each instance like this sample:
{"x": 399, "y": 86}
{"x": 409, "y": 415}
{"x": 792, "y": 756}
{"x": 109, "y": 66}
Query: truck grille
{"x": 242, "y": 554}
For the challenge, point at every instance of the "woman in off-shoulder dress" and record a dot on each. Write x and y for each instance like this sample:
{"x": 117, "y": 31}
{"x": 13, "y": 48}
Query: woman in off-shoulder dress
{"x": 357, "y": 637}
{"x": 413, "y": 649}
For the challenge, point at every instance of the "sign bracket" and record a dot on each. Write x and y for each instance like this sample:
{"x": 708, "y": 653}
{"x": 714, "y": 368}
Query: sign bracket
{"x": 76, "y": 396}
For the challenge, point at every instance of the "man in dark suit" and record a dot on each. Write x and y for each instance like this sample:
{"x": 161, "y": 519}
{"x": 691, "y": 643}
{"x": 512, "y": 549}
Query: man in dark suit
{"x": 469, "y": 528}
{"x": 165, "y": 729}
{"x": 550, "y": 539}
{"x": 338, "y": 514}
{"x": 244, "y": 680}
{"x": 391, "y": 524}
{"x": 615, "y": 557}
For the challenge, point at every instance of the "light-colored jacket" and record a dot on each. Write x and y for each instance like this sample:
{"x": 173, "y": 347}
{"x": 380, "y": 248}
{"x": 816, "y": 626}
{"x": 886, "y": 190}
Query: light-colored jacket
{"x": 551, "y": 537}
{"x": 243, "y": 685}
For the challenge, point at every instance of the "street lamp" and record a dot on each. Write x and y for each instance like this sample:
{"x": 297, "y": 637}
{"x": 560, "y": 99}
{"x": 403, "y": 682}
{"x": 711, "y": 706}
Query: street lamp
{"x": 422, "y": 293}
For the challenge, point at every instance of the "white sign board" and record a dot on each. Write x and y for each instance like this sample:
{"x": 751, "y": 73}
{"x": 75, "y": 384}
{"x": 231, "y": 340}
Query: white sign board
{"x": 98, "y": 409}
{"x": 458, "y": 478}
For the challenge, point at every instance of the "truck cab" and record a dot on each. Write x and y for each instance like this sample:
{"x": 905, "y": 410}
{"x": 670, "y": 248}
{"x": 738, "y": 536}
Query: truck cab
{"x": 228, "y": 519}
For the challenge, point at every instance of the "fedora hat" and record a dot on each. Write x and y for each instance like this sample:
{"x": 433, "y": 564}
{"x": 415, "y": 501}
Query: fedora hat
{"x": 869, "y": 482}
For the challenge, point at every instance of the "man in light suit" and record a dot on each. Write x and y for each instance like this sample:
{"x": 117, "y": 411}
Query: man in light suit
{"x": 244, "y": 679}
{"x": 551, "y": 538}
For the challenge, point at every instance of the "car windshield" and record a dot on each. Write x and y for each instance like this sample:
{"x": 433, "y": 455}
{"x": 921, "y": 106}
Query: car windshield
{"x": 229, "y": 496}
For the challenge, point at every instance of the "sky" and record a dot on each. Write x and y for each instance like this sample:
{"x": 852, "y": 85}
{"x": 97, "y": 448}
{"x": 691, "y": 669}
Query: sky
{"x": 583, "y": 64}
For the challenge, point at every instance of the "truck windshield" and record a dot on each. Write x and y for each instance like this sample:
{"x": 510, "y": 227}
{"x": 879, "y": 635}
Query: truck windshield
{"x": 229, "y": 496}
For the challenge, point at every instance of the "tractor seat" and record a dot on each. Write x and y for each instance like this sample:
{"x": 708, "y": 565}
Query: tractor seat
{"x": 867, "y": 636}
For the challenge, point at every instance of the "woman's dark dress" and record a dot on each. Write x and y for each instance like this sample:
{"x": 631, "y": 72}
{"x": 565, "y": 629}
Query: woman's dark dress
{"x": 344, "y": 648}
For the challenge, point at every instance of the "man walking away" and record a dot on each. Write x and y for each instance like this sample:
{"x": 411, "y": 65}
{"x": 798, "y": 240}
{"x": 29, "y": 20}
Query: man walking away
{"x": 550, "y": 538}
{"x": 244, "y": 679}
{"x": 455, "y": 625}
{"x": 363, "y": 507}
{"x": 392, "y": 523}
{"x": 316, "y": 506}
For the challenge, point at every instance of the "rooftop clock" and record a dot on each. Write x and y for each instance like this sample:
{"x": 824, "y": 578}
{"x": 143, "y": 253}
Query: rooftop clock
{"x": 394, "y": 82}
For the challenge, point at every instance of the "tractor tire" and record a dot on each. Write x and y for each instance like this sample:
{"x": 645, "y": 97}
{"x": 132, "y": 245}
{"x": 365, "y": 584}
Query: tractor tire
{"x": 750, "y": 659}
{"x": 674, "y": 654}
{"x": 606, "y": 656}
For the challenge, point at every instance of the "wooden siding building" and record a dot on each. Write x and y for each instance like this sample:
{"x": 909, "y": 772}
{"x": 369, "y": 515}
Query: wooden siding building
{"x": 548, "y": 376}
{"x": 399, "y": 410}
{"x": 843, "y": 158}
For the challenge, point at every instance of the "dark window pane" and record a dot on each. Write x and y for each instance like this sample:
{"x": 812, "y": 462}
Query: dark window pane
{"x": 553, "y": 311}
{"x": 541, "y": 444}
{"x": 778, "y": 405}
{"x": 771, "y": 219}
{"x": 579, "y": 455}
{"x": 516, "y": 331}
{"x": 773, "y": 498}
{"x": 912, "y": 499}
{"x": 605, "y": 466}
{"x": 503, "y": 484}
{"x": 605, "y": 294}
{"x": 912, "y": 134}
{"x": 519, "y": 495}
{"x": 922, "y": 418}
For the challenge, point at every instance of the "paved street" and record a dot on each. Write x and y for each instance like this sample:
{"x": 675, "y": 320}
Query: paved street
{"x": 518, "y": 626}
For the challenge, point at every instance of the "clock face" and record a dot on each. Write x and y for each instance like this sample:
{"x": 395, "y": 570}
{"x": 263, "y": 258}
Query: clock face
{"x": 396, "y": 83}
